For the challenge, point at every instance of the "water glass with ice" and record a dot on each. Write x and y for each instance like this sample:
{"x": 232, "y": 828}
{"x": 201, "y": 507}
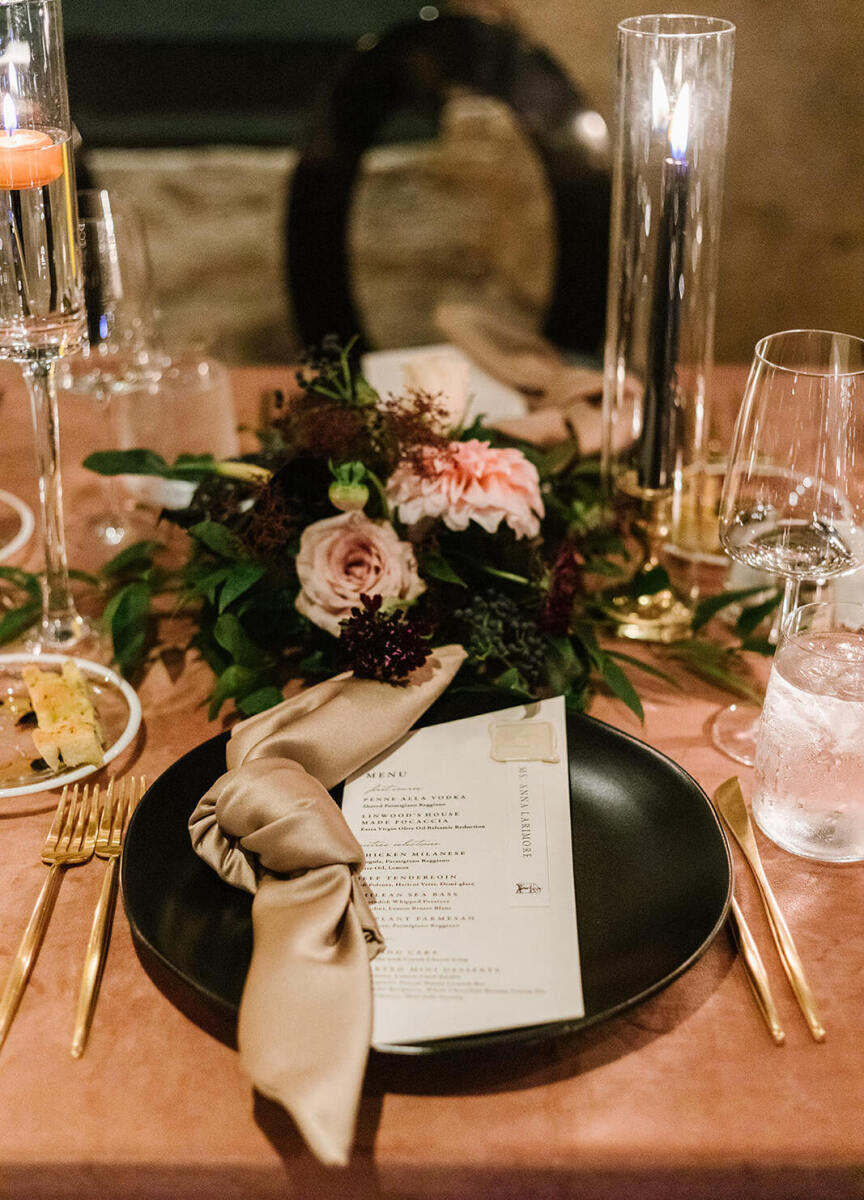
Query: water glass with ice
{"x": 809, "y": 778}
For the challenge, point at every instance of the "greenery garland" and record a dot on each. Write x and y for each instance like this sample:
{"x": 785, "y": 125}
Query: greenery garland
{"x": 528, "y": 596}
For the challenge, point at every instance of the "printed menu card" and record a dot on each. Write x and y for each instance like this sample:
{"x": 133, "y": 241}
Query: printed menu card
{"x": 469, "y": 870}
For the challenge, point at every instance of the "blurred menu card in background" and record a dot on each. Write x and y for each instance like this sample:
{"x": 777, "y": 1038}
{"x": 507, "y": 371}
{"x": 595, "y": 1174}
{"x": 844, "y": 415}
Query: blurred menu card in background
{"x": 469, "y": 869}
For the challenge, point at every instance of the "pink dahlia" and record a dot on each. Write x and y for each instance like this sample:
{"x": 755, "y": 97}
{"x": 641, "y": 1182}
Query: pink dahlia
{"x": 471, "y": 481}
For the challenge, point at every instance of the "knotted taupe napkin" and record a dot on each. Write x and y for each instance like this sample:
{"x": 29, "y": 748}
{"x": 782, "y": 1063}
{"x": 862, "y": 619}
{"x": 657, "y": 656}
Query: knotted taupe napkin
{"x": 270, "y": 826}
{"x": 562, "y": 399}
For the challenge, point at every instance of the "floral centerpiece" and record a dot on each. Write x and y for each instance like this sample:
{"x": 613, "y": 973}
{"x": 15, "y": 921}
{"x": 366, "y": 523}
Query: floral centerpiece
{"x": 368, "y": 529}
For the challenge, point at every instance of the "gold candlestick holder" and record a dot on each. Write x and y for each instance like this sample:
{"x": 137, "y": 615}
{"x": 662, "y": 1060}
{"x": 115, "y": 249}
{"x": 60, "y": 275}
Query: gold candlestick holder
{"x": 657, "y": 614}
{"x": 674, "y": 85}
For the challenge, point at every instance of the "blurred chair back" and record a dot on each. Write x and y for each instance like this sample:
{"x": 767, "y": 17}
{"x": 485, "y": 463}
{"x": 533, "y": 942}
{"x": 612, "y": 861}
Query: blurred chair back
{"x": 417, "y": 65}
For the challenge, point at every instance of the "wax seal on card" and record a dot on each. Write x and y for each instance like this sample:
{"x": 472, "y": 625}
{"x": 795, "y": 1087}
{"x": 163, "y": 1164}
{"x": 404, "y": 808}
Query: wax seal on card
{"x": 523, "y": 741}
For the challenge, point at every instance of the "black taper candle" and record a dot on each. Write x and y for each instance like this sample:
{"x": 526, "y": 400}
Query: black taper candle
{"x": 656, "y": 452}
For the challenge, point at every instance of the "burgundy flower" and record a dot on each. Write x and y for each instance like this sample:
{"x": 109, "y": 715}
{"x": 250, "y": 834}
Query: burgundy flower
{"x": 566, "y": 582}
{"x": 383, "y": 647}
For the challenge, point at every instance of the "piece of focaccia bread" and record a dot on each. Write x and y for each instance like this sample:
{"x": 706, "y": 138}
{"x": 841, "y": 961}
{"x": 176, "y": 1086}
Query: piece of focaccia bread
{"x": 68, "y": 733}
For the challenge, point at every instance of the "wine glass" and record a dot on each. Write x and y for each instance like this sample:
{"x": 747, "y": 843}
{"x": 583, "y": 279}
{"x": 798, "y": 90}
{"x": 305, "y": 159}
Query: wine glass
{"x": 793, "y": 497}
{"x": 121, "y": 354}
{"x": 41, "y": 301}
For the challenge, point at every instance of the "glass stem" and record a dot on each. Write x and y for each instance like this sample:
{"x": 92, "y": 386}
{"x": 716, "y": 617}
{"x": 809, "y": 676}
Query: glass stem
{"x": 61, "y": 624}
{"x": 790, "y": 602}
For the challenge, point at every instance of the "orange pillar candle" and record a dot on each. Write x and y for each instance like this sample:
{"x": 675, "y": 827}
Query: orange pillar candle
{"x": 29, "y": 158}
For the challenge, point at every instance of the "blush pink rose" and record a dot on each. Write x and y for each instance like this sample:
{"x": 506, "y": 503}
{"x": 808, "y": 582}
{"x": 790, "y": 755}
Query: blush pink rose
{"x": 343, "y": 558}
{"x": 471, "y": 482}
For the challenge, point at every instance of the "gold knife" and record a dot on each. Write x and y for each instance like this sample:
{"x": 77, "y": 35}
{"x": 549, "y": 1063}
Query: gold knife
{"x": 730, "y": 803}
{"x": 757, "y": 976}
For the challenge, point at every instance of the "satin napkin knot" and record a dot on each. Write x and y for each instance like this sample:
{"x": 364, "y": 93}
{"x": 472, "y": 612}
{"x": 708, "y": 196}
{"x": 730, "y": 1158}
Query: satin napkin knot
{"x": 272, "y": 815}
{"x": 270, "y": 827}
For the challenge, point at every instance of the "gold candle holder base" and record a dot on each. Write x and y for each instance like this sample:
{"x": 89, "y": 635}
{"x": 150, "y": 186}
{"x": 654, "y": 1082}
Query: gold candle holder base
{"x": 658, "y": 617}
{"x": 655, "y": 615}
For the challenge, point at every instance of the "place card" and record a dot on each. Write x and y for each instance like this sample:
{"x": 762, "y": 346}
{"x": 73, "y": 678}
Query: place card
{"x": 469, "y": 871}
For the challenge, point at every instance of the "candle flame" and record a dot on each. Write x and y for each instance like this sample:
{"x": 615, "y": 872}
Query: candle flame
{"x": 679, "y": 126}
{"x": 659, "y": 100}
{"x": 10, "y": 117}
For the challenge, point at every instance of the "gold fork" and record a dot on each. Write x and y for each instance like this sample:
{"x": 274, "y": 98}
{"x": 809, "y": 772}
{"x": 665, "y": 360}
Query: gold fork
{"x": 70, "y": 842}
{"x": 120, "y": 799}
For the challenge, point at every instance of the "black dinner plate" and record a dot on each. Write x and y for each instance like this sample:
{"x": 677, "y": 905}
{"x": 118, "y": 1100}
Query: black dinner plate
{"x": 652, "y": 870}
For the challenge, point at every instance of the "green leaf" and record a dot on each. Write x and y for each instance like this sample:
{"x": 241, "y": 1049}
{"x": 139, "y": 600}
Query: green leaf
{"x": 125, "y": 607}
{"x": 751, "y": 618}
{"x": 562, "y": 649}
{"x": 25, "y": 580}
{"x": 233, "y": 681}
{"x": 759, "y": 646}
{"x": 218, "y": 539}
{"x": 131, "y": 561}
{"x": 231, "y": 636}
{"x": 649, "y": 583}
{"x": 587, "y": 468}
{"x": 241, "y": 577}
{"x": 508, "y": 575}
{"x": 127, "y": 462}
{"x": 559, "y": 458}
{"x": 577, "y": 699}
{"x": 648, "y": 668}
{"x": 620, "y": 686}
{"x": 585, "y": 634}
{"x": 312, "y": 664}
{"x": 512, "y": 681}
{"x": 208, "y": 585}
{"x": 19, "y": 620}
{"x": 563, "y": 665}
{"x": 214, "y": 656}
{"x": 260, "y": 700}
{"x": 364, "y": 393}
{"x": 437, "y": 566}
{"x": 476, "y": 430}
{"x": 712, "y": 662}
{"x": 127, "y": 616}
{"x": 709, "y": 607}
{"x": 188, "y": 466}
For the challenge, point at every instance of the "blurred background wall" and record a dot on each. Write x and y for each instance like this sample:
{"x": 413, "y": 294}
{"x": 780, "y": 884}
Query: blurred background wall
{"x": 199, "y": 109}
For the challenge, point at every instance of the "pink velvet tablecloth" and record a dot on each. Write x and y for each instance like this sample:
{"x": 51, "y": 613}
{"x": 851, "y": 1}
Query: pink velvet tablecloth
{"x": 685, "y": 1095}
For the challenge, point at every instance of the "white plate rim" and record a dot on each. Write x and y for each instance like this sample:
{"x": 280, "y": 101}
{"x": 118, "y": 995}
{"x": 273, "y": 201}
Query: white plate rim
{"x": 93, "y": 670}
{"x": 28, "y": 524}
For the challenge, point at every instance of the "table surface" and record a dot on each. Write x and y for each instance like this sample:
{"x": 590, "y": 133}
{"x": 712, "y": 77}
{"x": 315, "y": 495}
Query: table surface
{"x": 683, "y": 1095}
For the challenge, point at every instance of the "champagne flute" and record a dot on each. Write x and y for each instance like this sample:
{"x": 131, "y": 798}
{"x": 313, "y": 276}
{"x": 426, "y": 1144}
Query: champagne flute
{"x": 121, "y": 355}
{"x": 793, "y": 497}
{"x": 41, "y": 304}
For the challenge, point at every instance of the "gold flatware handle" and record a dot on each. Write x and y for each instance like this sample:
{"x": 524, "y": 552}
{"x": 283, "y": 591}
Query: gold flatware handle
{"x": 757, "y": 976}
{"x": 94, "y": 958}
{"x": 790, "y": 958}
{"x": 729, "y": 801}
{"x": 28, "y": 950}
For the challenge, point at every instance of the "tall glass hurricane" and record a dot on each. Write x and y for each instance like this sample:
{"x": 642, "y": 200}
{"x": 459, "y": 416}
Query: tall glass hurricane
{"x": 41, "y": 305}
